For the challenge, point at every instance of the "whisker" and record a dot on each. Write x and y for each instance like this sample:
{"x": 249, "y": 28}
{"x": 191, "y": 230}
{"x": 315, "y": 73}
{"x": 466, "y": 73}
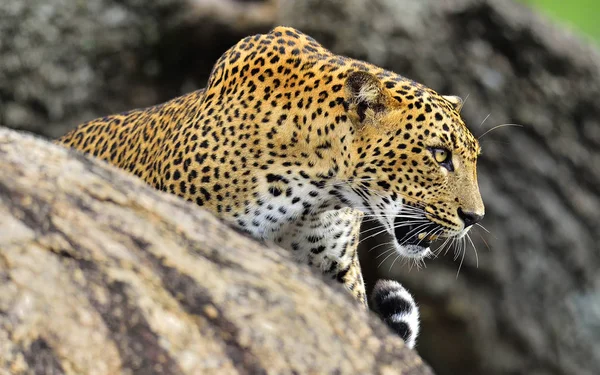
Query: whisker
{"x": 465, "y": 101}
{"x": 500, "y": 126}
{"x": 385, "y": 252}
{"x": 394, "y": 261}
{"x": 410, "y": 216}
{"x": 428, "y": 234}
{"x": 436, "y": 232}
{"x": 441, "y": 247}
{"x": 475, "y": 249}
{"x": 485, "y": 119}
{"x": 463, "y": 251}
{"x": 385, "y": 229}
{"x": 380, "y": 245}
{"x": 457, "y": 249}
{"x": 412, "y": 232}
{"x": 482, "y": 227}
{"x": 404, "y": 196}
{"x": 484, "y": 241}
{"x": 450, "y": 245}
{"x": 384, "y": 259}
{"x": 372, "y": 235}
{"x": 485, "y": 229}
{"x": 402, "y": 224}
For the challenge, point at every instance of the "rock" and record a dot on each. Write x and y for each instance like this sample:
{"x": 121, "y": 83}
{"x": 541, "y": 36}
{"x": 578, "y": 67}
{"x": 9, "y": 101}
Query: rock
{"x": 67, "y": 61}
{"x": 101, "y": 274}
{"x": 529, "y": 304}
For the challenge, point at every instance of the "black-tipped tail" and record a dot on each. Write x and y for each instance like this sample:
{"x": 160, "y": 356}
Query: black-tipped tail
{"x": 397, "y": 308}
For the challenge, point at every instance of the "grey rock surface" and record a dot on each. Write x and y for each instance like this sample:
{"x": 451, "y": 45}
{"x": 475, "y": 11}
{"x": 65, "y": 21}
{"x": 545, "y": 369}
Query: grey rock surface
{"x": 66, "y": 61}
{"x": 102, "y": 274}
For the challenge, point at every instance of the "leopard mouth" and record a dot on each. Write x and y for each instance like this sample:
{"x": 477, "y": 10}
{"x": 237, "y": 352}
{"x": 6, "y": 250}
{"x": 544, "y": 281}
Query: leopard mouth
{"x": 417, "y": 235}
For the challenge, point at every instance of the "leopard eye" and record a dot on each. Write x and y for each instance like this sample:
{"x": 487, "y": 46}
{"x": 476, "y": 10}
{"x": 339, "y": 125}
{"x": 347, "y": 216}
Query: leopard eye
{"x": 440, "y": 155}
{"x": 443, "y": 157}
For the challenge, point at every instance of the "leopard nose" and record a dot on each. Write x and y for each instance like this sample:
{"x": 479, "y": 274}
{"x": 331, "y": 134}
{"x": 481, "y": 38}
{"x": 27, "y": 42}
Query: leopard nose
{"x": 469, "y": 218}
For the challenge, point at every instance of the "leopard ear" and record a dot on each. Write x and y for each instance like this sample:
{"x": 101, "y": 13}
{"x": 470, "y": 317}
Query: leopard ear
{"x": 366, "y": 96}
{"x": 456, "y": 101}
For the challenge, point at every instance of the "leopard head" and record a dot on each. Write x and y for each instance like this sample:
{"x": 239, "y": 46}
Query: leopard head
{"x": 413, "y": 166}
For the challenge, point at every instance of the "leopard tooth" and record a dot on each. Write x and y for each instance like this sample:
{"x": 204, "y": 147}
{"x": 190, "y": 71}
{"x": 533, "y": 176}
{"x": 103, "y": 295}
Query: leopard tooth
{"x": 421, "y": 236}
{"x": 433, "y": 237}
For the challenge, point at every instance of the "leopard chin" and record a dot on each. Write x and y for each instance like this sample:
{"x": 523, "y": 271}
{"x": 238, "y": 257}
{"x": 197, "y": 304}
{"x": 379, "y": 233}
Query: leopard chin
{"x": 413, "y": 251}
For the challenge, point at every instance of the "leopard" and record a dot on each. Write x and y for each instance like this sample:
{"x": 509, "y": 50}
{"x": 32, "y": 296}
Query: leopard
{"x": 296, "y": 146}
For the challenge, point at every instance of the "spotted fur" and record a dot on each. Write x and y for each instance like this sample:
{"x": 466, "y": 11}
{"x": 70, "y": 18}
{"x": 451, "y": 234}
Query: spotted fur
{"x": 294, "y": 144}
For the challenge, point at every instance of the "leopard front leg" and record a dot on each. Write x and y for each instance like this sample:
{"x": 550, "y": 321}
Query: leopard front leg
{"x": 328, "y": 241}
{"x": 351, "y": 276}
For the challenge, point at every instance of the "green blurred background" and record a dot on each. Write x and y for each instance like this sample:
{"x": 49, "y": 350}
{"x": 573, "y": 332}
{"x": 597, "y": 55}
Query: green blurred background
{"x": 579, "y": 15}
